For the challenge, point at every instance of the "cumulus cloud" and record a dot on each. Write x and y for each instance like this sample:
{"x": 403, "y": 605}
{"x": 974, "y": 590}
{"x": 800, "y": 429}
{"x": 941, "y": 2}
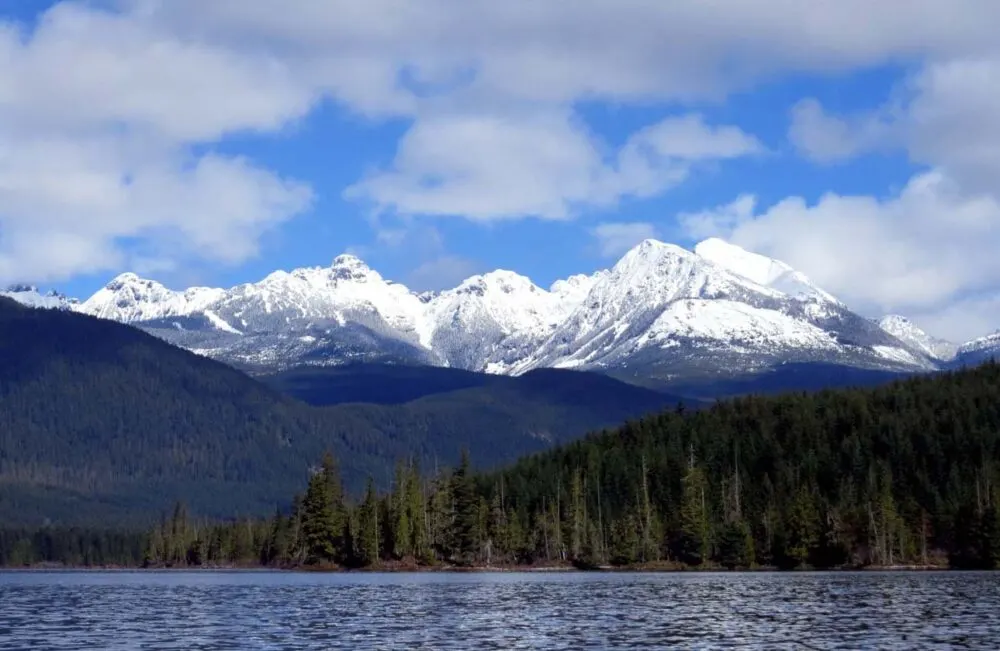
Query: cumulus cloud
{"x": 482, "y": 80}
{"x": 487, "y": 167}
{"x": 107, "y": 111}
{"x": 616, "y": 238}
{"x": 953, "y": 120}
{"x": 98, "y": 113}
{"x": 932, "y": 247}
{"x": 922, "y": 252}
{"x": 540, "y": 52}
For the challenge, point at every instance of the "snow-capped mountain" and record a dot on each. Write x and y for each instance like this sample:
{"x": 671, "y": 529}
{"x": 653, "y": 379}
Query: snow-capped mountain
{"x": 661, "y": 311}
{"x": 30, "y": 296}
{"x": 131, "y": 299}
{"x": 904, "y": 330}
{"x": 979, "y": 350}
{"x": 491, "y": 322}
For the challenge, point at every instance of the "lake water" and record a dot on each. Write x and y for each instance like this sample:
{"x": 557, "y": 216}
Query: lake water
{"x": 272, "y": 610}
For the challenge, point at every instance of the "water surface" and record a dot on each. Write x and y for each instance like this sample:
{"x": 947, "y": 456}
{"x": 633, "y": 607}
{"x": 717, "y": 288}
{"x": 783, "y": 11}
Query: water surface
{"x": 272, "y": 610}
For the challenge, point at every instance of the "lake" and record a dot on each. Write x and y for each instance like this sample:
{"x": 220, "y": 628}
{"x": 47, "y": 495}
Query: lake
{"x": 275, "y": 610}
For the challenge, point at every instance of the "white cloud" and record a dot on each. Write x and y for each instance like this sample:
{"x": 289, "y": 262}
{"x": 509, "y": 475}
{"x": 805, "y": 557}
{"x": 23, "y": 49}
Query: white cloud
{"x": 98, "y": 113}
{"x": 496, "y": 167}
{"x": 616, "y": 238}
{"x": 67, "y": 206}
{"x": 921, "y": 252}
{"x": 101, "y": 113}
{"x": 531, "y": 51}
{"x": 487, "y": 167}
{"x": 483, "y": 79}
{"x": 953, "y": 120}
{"x": 84, "y": 69}
{"x": 933, "y": 247}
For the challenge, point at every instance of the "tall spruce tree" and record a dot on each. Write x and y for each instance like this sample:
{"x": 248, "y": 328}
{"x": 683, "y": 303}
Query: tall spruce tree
{"x": 466, "y": 512}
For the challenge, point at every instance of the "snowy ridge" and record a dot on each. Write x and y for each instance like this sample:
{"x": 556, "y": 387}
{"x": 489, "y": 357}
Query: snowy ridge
{"x": 131, "y": 299}
{"x": 660, "y": 309}
{"x": 490, "y": 322}
{"x": 29, "y": 296}
{"x": 904, "y": 330}
{"x": 663, "y": 305}
{"x": 979, "y": 350}
{"x": 982, "y": 343}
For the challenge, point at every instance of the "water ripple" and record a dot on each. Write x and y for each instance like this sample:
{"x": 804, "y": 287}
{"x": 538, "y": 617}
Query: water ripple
{"x": 262, "y": 610}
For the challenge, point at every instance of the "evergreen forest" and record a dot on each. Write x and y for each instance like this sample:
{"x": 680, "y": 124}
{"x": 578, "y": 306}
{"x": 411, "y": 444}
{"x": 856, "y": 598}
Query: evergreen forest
{"x": 907, "y": 474}
{"x": 101, "y": 422}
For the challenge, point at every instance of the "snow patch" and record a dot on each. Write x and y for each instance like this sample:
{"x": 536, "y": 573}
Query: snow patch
{"x": 219, "y": 323}
{"x": 761, "y": 269}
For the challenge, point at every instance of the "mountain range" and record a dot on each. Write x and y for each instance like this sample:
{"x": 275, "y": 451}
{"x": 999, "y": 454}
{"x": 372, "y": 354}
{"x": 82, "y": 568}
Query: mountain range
{"x": 661, "y": 314}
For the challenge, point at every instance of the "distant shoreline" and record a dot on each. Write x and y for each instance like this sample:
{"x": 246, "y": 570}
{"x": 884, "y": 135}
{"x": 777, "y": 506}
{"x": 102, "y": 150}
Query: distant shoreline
{"x": 558, "y": 569}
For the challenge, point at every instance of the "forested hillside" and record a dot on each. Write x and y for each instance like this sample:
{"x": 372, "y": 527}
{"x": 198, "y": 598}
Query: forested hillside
{"x": 100, "y": 422}
{"x": 896, "y": 474}
{"x": 903, "y": 474}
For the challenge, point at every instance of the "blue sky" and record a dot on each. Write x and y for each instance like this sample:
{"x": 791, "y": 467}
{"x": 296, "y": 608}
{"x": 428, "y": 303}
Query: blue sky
{"x": 211, "y": 143}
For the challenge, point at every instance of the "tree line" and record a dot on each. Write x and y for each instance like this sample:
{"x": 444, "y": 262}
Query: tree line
{"x": 904, "y": 474}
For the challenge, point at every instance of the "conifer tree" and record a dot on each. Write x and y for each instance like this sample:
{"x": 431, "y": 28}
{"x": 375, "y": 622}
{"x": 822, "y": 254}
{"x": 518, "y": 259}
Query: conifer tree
{"x": 367, "y": 544}
{"x": 695, "y": 534}
{"x": 323, "y": 515}
{"x": 466, "y": 512}
{"x": 402, "y": 530}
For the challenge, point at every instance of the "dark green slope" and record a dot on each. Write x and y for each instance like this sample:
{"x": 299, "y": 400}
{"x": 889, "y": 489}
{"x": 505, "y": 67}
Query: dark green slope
{"x": 894, "y": 474}
{"x": 100, "y": 421}
{"x": 505, "y": 417}
{"x": 381, "y": 384}
{"x": 780, "y": 379}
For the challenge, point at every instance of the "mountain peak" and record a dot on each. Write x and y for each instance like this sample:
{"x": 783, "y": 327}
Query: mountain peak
{"x": 126, "y": 279}
{"x": 347, "y": 266}
{"x": 348, "y": 260}
{"x": 500, "y": 280}
{"x": 650, "y": 245}
{"x": 129, "y": 298}
{"x": 650, "y": 252}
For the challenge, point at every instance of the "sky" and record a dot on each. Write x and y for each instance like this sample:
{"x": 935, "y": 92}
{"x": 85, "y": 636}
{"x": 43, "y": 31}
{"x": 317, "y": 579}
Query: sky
{"x": 211, "y": 143}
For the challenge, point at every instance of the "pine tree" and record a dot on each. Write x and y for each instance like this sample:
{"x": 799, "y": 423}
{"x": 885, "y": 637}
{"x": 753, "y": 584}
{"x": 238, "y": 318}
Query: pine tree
{"x": 577, "y": 519}
{"x": 736, "y": 546}
{"x": 323, "y": 515}
{"x": 695, "y": 543}
{"x": 802, "y": 528}
{"x": 417, "y": 516}
{"x": 466, "y": 512}
{"x": 402, "y": 533}
{"x": 367, "y": 543}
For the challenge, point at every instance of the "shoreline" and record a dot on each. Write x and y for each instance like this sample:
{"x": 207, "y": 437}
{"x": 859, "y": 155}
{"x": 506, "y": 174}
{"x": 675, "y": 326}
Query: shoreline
{"x": 556, "y": 569}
